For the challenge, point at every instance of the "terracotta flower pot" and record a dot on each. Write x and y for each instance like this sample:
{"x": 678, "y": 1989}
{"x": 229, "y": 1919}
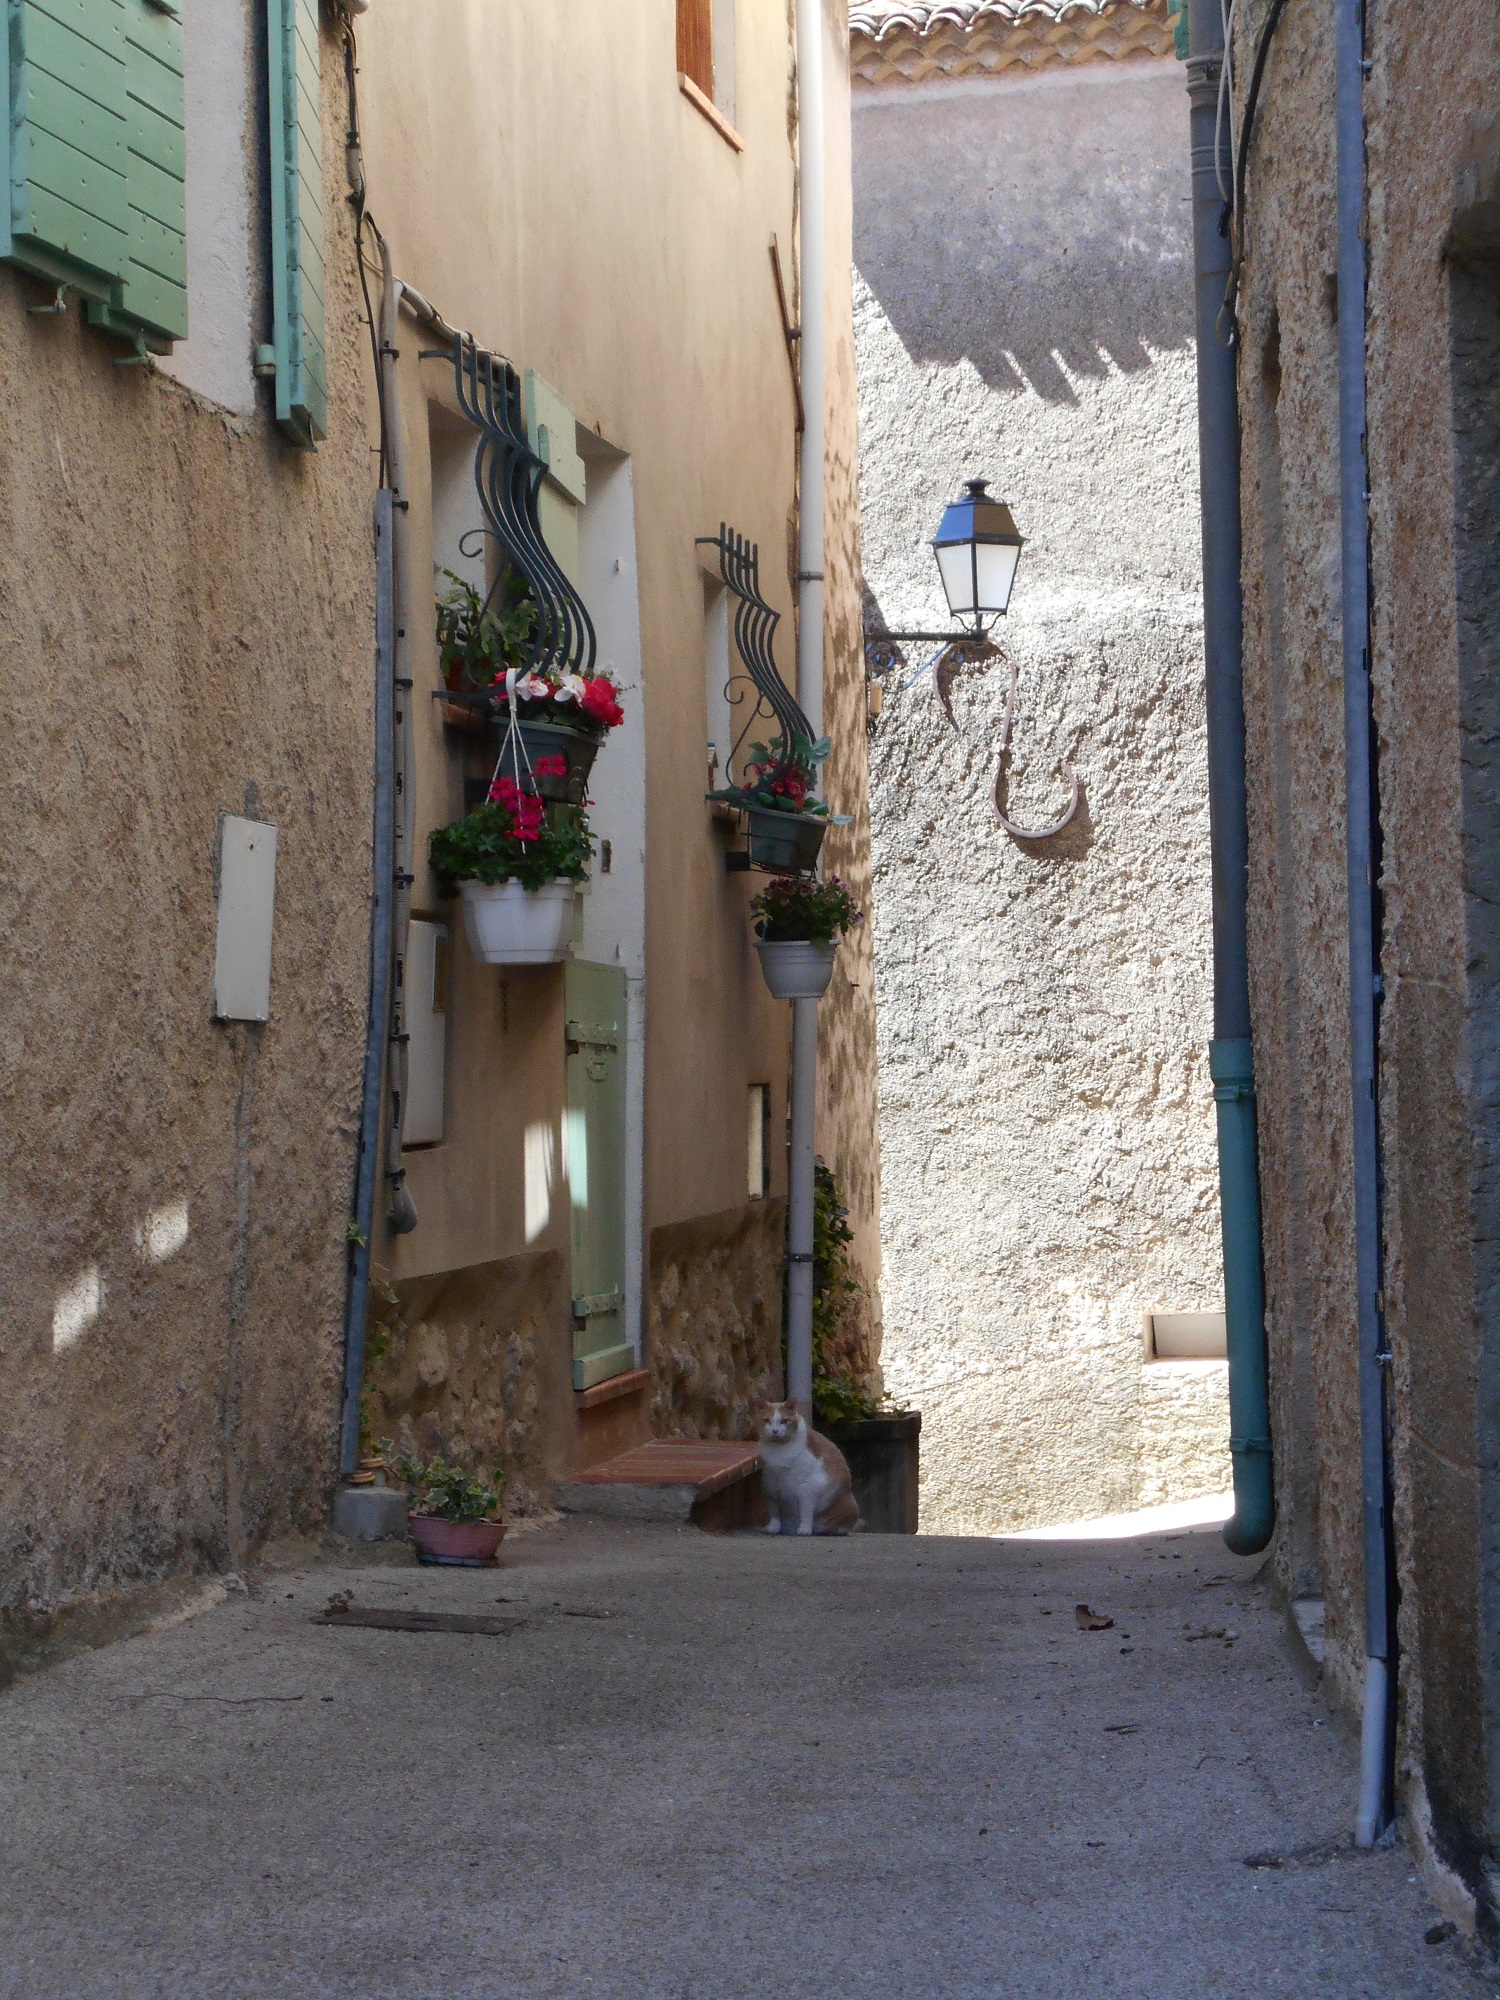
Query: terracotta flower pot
{"x": 466, "y": 1544}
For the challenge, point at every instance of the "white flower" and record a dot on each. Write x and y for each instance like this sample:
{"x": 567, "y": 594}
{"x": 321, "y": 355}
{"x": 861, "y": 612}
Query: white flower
{"x": 569, "y": 688}
{"x": 533, "y": 688}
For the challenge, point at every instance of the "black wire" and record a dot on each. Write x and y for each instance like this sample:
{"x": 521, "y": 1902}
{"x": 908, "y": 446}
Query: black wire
{"x": 1234, "y": 211}
{"x": 361, "y": 219}
{"x": 1252, "y": 96}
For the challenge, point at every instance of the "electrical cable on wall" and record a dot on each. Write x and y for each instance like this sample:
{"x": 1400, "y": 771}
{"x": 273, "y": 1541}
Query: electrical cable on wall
{"x": 1234, "y": 196}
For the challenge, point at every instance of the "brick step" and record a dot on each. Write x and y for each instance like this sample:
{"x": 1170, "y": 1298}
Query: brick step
{"x": 709, "y": 1482}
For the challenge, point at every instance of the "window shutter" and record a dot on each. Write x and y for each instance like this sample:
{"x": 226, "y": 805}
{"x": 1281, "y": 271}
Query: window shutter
{"x": 695, "y": 43}
{"x": 67, "y": 216}
{"x": 152, "y": 294}
{"x": 297, "y": 220}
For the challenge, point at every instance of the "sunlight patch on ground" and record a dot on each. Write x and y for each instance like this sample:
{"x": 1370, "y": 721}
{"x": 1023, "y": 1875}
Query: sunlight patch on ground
{"x": 1206, "y": 1512}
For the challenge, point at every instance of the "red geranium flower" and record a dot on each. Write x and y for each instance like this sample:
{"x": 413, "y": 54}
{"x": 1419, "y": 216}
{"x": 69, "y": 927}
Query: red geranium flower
{"x": 599, "y": 704}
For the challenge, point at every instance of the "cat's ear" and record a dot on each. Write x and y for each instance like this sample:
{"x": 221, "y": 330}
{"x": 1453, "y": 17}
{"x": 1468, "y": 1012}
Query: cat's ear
{"x": 790, "y": 1406}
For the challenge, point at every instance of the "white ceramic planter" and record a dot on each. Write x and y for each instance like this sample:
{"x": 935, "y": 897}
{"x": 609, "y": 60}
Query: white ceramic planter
{"x": 796, "y": 971}
{"x": 508, "y": 925}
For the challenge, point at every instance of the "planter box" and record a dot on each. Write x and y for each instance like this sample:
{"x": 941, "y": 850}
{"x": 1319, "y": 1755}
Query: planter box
{"x": 508, "y": 925}
{"x": 882, "y": 1454}
{"x": 785, "y": 843}
{"x": 549, "y": 739}
{"x": 797, "y": 970}
{"x": 460, "y": 1544}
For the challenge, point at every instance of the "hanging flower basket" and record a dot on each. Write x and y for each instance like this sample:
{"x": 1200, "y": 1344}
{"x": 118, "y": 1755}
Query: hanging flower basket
{"x": 507, "y": 924}
{"x": 786, "y": 843}
{"x": 549, "y": 759}
{"x": 797, "y": 969}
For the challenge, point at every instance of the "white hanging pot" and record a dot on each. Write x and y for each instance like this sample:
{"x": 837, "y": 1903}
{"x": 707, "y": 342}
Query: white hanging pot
{"x": 508, "y": 925}
{"x": 799, "y": 970}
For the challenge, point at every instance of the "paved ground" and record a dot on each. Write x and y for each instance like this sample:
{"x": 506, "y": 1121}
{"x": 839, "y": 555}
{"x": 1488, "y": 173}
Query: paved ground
{"x": 700, "y": 1768}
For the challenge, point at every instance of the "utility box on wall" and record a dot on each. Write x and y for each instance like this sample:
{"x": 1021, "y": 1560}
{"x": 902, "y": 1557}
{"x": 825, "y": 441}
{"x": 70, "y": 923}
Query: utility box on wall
{"x": 427, "y": 1032}
{"x": 247, "y": 907}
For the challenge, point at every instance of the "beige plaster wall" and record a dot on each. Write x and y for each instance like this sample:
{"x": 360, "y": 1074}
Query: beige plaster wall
{"x": 596, "y": 227}
{"x": 187, "y": 629}
{"x": 1023, "y": 310}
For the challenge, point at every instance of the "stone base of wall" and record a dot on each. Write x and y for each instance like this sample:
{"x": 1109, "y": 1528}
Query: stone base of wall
{"x": 475, "y": 1363}
{"x": 715, "y": 1312}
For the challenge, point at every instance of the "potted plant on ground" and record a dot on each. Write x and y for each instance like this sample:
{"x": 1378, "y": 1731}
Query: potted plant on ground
{"x": 786, "y": 822}
{"x": 880, "y": 1442}
{"x": 518, "y": 865}
{"x": 798, "y": 923}
{"x": 451, "y": 1516}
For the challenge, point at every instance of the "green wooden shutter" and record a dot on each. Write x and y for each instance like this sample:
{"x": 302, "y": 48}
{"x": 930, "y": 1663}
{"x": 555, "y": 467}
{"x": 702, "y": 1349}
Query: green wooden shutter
{"x": 67, "y": 217}
{"x": 152, "y": 295}
{"x": 594, "y": 1003}
{"x": 297, "y": 219}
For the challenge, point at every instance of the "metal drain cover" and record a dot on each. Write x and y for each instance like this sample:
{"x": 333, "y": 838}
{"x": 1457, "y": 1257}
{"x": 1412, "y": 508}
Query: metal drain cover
{"x": 386, "y": 1619}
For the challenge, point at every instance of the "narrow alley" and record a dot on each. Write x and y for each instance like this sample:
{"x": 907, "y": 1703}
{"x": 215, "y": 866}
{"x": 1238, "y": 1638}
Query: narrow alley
{"x": 692, "y": 1765}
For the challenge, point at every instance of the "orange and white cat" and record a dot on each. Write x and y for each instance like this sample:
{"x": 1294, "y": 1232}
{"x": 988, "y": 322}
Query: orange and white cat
{"x": 805, "y": 1478}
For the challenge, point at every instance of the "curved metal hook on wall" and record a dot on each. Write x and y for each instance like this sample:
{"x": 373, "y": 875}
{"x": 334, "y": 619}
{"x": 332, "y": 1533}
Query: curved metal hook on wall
{"x": 883, "y": 654}
{"x": 1001, "y": 760}
{"x": 509, "y": 475}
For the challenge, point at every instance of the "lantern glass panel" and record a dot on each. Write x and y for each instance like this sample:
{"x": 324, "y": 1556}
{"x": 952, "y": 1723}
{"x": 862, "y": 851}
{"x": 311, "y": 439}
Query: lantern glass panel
{"x": 956, "y": 567}
{"x": 997, "y": 573}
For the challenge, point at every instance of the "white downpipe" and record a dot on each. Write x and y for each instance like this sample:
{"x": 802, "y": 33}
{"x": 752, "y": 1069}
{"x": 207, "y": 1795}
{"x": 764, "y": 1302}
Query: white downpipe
{"x": 812, "y": 291}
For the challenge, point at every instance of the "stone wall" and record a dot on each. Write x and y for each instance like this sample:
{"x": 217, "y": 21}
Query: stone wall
{"x": 713, "y": 1341}
{"x": 474, "y": 1364}
{"x": 1433, "y": 349}
{"x": 1023, "y": 310}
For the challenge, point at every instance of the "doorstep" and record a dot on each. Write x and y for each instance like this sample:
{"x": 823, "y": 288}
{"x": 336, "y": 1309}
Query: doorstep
{"x": 710, "y": 1482}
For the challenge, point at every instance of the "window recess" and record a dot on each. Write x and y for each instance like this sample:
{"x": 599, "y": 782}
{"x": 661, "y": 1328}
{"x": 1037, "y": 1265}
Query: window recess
{"x": 706, "y": 62}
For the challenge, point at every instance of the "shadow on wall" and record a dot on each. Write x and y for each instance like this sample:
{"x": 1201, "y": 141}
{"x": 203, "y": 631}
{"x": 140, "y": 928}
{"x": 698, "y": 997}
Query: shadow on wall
{"x": 1039, "y": 229}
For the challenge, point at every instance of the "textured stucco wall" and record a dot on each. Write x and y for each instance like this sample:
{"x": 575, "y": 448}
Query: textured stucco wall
{"x": 1433, "y": 352}
{"x": 848, "y": 1118}
{"x": 186, "y": 626}
{"x": 1024, "y": 311}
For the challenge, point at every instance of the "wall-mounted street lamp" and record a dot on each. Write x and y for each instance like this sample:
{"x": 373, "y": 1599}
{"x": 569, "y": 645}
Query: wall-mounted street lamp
{"x": 978, "y": 547}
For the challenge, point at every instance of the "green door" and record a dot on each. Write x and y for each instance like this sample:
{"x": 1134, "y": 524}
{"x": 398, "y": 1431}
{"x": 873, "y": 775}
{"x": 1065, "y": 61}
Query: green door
{"x": 594, "y": 1000}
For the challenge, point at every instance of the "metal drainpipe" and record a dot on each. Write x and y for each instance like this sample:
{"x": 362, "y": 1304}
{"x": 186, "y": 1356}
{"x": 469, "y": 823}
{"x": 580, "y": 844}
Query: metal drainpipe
{"x": 1230, "y": 1055}
{"x": 812, "y": 288}
{"x": 401, "y": 1215}
{"x": 1360, "y": 833}
{"x": 382, "y": 870}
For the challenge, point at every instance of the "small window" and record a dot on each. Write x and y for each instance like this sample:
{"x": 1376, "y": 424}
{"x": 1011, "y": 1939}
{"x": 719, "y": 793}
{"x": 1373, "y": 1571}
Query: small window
{"x": 1196, "y": 1336}
{"x": 705, "y": 61}
{"x": 759, "y": 1138}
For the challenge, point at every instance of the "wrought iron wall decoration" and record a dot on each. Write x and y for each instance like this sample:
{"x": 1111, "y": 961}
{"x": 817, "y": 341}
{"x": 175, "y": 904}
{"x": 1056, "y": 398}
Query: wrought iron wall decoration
{"x": 509, "y": 475}
{"x": 883, "y": 654}
{"x": 754, "y": 633}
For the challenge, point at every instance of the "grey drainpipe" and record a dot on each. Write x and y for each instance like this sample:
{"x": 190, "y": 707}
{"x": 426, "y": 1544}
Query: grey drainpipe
{"x": 1360, "y": 834}
{"x": 382, "y": 909}
{"x": 1230, "y": 1055}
